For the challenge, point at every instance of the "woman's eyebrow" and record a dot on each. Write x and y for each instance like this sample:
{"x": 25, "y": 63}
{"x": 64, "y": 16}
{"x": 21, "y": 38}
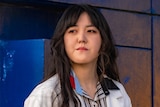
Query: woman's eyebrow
{"x": 90, "y": 25}
{"x": 73, "y": 25}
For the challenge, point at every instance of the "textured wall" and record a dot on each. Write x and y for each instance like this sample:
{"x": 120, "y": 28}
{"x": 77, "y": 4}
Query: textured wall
{"x": 135, "y": 25}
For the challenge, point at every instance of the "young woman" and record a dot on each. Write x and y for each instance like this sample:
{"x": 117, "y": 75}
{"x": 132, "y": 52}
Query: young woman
{"x": 83, "y": 72}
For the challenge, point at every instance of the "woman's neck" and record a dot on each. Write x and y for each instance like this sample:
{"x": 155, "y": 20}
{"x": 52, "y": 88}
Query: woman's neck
{"x": 87, "y": 76}
{"x": 85, "y": 72}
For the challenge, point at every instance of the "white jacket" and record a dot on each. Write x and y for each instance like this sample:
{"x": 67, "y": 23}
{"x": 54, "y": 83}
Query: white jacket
{"x": 45, "y": 93}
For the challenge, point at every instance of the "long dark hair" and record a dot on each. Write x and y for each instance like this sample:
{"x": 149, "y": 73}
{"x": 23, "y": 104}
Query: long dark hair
{"x": 61, "y": 65}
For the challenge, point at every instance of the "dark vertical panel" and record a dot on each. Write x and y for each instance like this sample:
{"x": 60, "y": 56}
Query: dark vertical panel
{"x": 130, "y": 29}
{"x": 156, "y": 6}
{"x": 156, "y": 53}
{"x": 47, "y": 57}
{"x": 134, "y": 5}
{"x": 135, "y": 72}
{"x": 26, "y": 22}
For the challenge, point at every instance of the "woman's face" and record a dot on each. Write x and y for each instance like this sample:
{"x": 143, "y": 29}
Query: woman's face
{"x": 82, "y": 41}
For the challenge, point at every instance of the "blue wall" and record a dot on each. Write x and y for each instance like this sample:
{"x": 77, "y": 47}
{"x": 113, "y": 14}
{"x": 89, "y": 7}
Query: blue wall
{"x": 21, "y": 68}
{"x": 24, "y": 27}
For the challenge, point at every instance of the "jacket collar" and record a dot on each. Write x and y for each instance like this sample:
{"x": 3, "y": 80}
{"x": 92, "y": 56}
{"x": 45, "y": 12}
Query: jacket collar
{"x": 107, "y": 84}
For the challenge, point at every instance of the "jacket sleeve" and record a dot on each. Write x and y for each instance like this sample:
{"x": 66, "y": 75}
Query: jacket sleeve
{"x": 44, "y": 94}
{"x": 32, "y": 102}
{"x": 45, "y": 98}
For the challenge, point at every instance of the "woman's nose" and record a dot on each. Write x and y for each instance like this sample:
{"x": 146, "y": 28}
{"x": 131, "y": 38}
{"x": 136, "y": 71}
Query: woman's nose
{"x": 82, "y": 38}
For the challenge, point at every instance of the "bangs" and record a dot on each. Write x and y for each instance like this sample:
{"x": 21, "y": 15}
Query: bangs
{"x": 72, "y": 16}
{"x": 73, "y": 13}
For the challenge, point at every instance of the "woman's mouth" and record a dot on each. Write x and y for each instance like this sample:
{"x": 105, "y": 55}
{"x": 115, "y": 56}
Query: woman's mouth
{"x": 81, "y": 48}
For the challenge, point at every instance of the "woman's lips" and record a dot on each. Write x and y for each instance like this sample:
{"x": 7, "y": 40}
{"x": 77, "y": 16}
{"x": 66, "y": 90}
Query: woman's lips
{"x": 81, "y": 48}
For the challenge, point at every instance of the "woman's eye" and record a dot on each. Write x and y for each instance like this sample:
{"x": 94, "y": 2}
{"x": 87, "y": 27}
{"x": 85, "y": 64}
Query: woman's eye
{"x": 72, "y": 31}
{"x": 92, "y": 31}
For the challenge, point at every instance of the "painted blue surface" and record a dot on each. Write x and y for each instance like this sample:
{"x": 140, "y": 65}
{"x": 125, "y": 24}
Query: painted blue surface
{"x": 21, "y": 68}
{"x": 24, "y": 26}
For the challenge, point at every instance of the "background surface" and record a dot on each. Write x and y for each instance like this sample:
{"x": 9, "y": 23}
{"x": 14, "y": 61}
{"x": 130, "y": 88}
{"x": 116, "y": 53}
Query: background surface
{"x": 26, "y": 26}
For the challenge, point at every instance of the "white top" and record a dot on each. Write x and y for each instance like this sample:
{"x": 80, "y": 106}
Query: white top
{"x": 47, "y": 94}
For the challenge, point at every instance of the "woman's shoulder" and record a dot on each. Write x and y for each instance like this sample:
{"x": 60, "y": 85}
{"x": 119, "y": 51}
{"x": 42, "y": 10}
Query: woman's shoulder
{"x": 118, "y": 84}
{"x": 47, "y": 87}
{"x": 122, "y": 89}
{"x": 43, "y": 93}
